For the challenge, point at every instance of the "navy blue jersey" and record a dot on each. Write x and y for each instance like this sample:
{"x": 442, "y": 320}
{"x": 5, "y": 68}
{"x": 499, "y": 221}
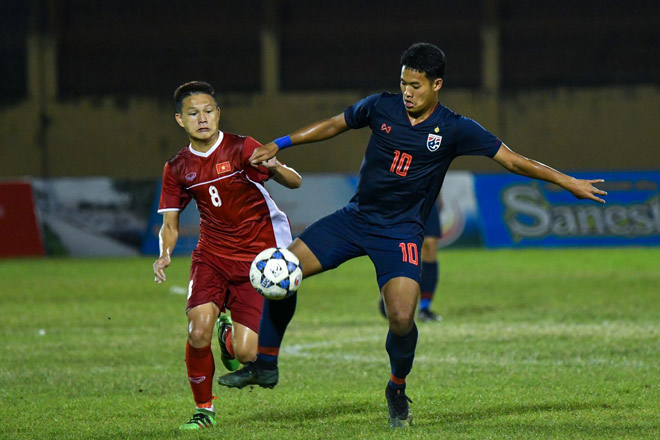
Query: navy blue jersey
{"x": 404, "y": 164}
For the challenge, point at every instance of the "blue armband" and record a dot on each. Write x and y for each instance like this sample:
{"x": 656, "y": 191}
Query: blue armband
{"x": 283, "y": 142}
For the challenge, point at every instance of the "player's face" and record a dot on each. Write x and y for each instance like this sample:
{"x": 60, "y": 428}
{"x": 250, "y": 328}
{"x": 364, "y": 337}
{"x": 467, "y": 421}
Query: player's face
{"x": 420, "y": 94}
{"x": 199, "y": 117}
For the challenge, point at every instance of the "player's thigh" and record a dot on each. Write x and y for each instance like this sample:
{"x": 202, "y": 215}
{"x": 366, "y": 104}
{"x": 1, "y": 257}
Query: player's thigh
{"x": 329, "y": 242}
{"x": 208, "y": 282}
{"x": 245, "y": 342}
{"x": 395, "y": 257}
{"x": 245, "y": 304}
{"x": 308, "y": 262}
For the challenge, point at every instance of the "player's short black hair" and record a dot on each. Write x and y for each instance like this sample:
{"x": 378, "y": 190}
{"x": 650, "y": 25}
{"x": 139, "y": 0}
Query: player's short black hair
{"x": 425, "y": 57}
{"x": 192, "y": 88}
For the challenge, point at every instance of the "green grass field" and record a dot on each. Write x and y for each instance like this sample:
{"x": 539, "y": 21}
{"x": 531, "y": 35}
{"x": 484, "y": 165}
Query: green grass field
{"x": 558, "y": 344}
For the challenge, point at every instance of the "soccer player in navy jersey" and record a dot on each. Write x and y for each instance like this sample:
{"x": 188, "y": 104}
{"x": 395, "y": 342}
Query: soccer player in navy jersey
{"x": 413, "y": 141}
{"x": 238, "y": 220}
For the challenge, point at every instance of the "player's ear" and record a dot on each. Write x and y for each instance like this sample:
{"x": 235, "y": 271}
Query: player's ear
{"x": 437, "y": 84}
{"x": 178, "y": 119}
{"x": 218, "y": 113}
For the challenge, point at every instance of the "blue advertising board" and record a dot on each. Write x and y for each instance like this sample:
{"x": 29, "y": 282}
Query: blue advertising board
{"x": 519, "y": 212}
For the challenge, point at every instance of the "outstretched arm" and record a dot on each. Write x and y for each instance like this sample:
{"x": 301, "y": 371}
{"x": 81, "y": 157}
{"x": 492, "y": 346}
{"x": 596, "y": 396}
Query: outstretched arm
{"x": 318, "y": 131}
{"x": 514, "y": 162}
{"x": 168, "y": 235}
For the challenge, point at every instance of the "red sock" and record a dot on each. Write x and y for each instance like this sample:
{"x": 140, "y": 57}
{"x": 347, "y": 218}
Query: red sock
{"x": 228, "y": 343}
{"x": 200, "y": 365}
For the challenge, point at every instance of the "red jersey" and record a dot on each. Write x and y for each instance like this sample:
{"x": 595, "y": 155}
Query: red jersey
{"x": 238, "y": 218}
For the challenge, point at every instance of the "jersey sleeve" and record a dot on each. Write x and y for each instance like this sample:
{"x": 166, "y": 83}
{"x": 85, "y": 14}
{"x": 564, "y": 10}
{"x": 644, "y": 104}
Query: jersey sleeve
{"x": 260, "y": 173}
{"x": 475, "y": 140}
{"x": 172, "y": 196}
{"x": 359, "y": 114}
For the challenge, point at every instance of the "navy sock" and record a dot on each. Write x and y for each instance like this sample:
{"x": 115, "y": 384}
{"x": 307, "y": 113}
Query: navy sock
{"x": 274, "y": 320}
{"x": 402, "y": 353}
{"x": 428, "y": 283}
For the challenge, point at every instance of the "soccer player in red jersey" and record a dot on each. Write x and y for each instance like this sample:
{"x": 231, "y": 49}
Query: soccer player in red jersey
{"x": 238, "y": 220}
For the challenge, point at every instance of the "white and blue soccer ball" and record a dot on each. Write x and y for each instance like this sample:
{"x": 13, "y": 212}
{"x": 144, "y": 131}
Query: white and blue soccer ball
{"x": 275, "y": 273}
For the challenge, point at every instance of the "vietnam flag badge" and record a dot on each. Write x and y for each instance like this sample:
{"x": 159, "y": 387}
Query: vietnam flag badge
{"x": 223, "y": 167}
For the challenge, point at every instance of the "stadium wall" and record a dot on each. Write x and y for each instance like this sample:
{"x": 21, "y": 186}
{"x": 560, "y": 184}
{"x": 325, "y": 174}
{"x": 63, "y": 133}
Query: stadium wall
{"x": 572, "y": 129}
{"x": 99, "y": 216}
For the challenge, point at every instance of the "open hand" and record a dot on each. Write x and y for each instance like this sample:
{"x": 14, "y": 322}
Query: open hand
{"x": 585, "y": 189}
{"x": 159, "y": 268}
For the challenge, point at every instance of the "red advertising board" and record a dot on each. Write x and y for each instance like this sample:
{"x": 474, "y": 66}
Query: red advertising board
{"x": 19, "y": 232}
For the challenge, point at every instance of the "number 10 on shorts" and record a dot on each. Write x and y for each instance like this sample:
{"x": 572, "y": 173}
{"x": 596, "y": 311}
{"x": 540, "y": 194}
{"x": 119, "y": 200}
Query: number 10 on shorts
{"x": 409, "y": 251}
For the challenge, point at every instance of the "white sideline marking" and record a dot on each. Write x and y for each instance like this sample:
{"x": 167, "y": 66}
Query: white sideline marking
{"x": 307, "y": 351}
{"x": 178, "y": 290}
{"x": 293, "y": 349}
{"x": 347, "y": 348}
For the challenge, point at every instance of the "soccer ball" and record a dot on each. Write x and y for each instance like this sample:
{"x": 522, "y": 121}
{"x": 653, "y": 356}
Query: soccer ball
{"x": 275, "y": 273}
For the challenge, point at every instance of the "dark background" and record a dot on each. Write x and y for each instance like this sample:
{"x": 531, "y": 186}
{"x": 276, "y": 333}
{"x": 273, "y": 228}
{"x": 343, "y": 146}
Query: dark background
{"x": 101, "y": 45}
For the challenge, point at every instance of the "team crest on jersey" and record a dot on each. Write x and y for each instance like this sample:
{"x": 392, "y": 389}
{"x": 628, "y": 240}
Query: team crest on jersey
{"x": 191, "y": 176}
{"x": 433, "y": 142}
{"x": 223, "y": 167}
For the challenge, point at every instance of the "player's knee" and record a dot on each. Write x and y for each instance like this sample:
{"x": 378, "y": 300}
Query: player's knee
{"x": 400, "y": 321}
{"x": 199, "y": 337}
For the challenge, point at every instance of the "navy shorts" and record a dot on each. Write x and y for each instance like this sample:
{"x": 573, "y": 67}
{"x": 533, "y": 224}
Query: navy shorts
{"x": 341, "y": 236}
{"x": 432, "y": 225}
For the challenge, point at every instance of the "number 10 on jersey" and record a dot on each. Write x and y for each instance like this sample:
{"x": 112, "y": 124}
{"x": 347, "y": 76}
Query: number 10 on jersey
{"x": 401, "y": 163}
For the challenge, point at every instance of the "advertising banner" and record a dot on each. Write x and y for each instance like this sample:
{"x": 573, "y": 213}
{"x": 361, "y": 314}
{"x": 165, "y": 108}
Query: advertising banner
{"x": 19, "y": 232}
{"x": 93, "y": 216}
{"x": 519, "y": 212}
{"x": 459, "y": 217}
{"x": 322, "y": 194}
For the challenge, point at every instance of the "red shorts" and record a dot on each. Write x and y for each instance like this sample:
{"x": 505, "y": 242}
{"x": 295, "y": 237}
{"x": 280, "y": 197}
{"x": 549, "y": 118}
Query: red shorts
{"x": 226, "y": 283}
